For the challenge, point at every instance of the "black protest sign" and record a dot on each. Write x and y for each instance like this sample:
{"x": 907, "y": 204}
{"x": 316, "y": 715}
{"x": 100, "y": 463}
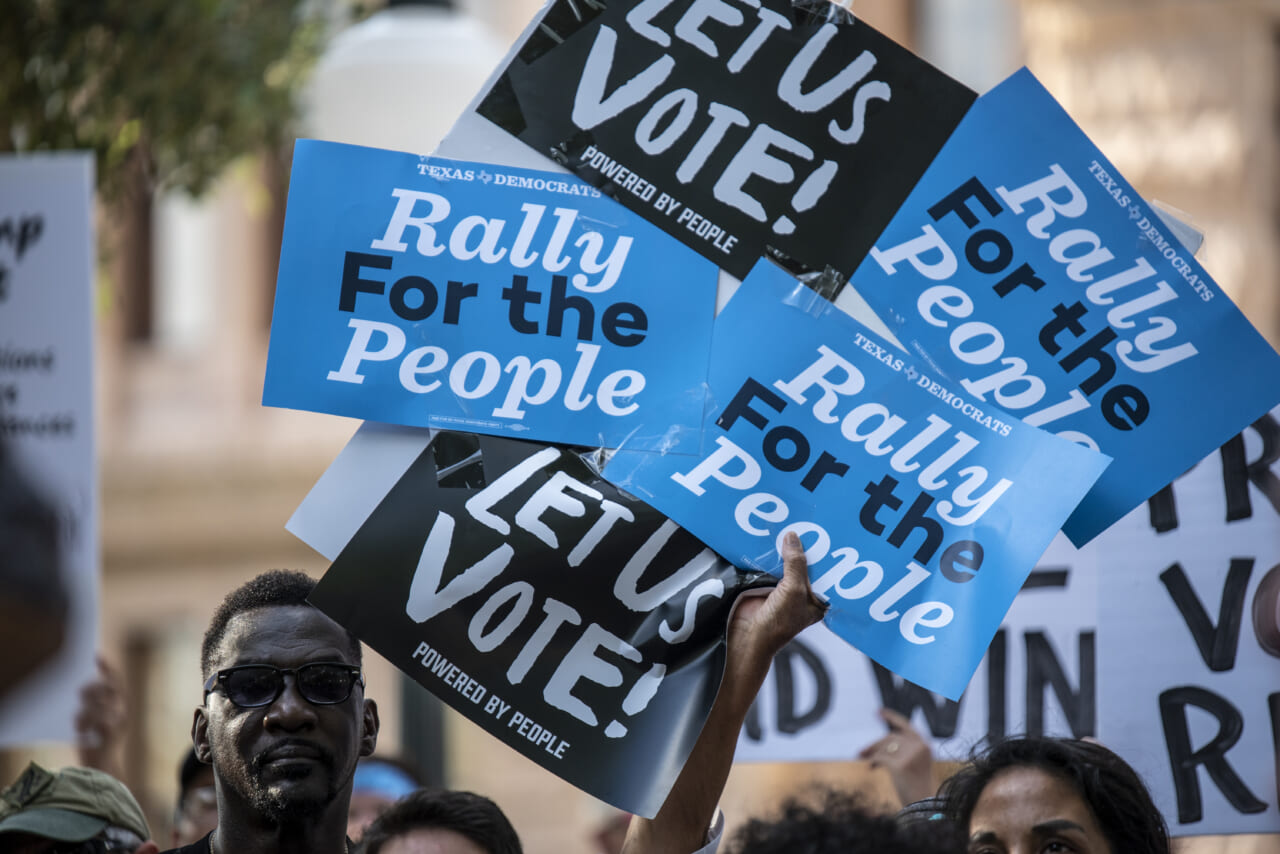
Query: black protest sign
{"x": 738, "y": 126}
{"x": 568, "y": 619}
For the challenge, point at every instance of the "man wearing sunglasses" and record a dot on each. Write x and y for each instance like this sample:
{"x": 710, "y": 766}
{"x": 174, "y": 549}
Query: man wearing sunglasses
{"x": 283, "y": 722}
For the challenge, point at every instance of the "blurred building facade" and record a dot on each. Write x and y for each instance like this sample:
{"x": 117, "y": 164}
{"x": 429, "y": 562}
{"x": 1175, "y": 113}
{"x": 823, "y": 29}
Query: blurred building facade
{"x": 198, "y": 478}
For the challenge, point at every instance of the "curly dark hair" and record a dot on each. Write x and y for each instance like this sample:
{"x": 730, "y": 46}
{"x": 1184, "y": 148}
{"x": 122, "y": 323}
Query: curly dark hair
{"x": 276, "y": 587}
{"x": 466, "y": 813}
{"x": 825, "y": 820}
{"x": 1113, "y": 791}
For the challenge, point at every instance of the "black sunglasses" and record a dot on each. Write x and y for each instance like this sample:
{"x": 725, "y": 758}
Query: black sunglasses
{"x": 249, "y": 686}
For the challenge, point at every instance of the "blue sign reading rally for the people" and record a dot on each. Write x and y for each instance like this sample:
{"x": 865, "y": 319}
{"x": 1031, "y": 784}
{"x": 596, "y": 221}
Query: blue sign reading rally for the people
{"x": 921, "y": 510}
{"x": 1030, "y": 273}
{"x": 441, "y": 293}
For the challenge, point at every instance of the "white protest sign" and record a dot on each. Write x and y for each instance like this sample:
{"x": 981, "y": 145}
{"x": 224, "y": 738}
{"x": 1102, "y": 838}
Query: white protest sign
{"x": 1189, "y": 639}
{"x": 46, "y": 405}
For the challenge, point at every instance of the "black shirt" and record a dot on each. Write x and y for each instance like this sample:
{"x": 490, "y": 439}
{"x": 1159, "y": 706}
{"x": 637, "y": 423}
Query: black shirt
{"x": 202, "y": 847}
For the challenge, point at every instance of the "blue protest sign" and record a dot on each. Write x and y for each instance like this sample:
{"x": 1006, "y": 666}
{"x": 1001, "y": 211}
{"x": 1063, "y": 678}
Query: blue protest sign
{"x": 1035, "y": 277}
{"x": 921, "y": 510}
{"x": 442, "y": 293}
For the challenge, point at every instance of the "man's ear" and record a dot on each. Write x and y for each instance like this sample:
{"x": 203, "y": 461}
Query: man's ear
{"x": 369, "y": 728}
{"x": 200, "y": 736}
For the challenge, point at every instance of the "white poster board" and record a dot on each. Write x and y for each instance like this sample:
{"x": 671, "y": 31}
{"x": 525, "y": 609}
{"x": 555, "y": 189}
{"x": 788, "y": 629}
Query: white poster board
{"x": 1189, "y": 640}
{"x": 46, "y": 406}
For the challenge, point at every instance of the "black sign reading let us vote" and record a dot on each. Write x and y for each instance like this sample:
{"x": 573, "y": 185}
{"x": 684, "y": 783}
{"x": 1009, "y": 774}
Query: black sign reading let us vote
{"x": 734, "y": 125}
{"x": 572, "y": 621}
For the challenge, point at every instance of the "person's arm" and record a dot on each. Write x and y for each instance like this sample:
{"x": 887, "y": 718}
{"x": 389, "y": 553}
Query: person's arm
{"x": 100, "y": 722}
{"x": 905, "y": 755}
{"x": 761, "y": 625}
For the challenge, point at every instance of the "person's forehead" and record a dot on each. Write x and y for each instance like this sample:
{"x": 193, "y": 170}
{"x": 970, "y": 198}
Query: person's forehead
{"x": 1031, "y": 794}
{"x": 431, "y": 840}
{"x": 282, "y": 635}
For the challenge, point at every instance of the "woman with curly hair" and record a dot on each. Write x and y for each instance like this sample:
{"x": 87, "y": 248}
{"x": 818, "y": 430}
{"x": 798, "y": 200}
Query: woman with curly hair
{"x": 835, "y": 821}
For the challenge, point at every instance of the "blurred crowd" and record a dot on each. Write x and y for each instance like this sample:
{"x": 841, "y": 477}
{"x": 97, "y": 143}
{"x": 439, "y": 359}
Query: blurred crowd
{"x": 284, "y": 758}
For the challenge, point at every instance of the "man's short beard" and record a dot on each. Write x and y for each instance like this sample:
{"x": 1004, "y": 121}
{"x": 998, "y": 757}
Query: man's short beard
{"x": 280, "y": 807}
{"x": 277, "y": 808}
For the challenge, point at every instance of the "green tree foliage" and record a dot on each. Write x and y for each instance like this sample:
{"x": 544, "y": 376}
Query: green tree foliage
{"x": 174, "y": 89}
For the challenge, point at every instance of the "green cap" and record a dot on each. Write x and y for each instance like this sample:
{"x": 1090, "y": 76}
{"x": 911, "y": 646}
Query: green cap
{"x": 72, "y": 805}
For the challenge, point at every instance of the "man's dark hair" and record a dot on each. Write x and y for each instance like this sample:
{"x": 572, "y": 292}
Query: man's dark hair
{"x": 465, "y": 813}
{"x": 1112, "y": 790}
{"x": 274, "y": 588}
{"x": 826, "y": 821}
